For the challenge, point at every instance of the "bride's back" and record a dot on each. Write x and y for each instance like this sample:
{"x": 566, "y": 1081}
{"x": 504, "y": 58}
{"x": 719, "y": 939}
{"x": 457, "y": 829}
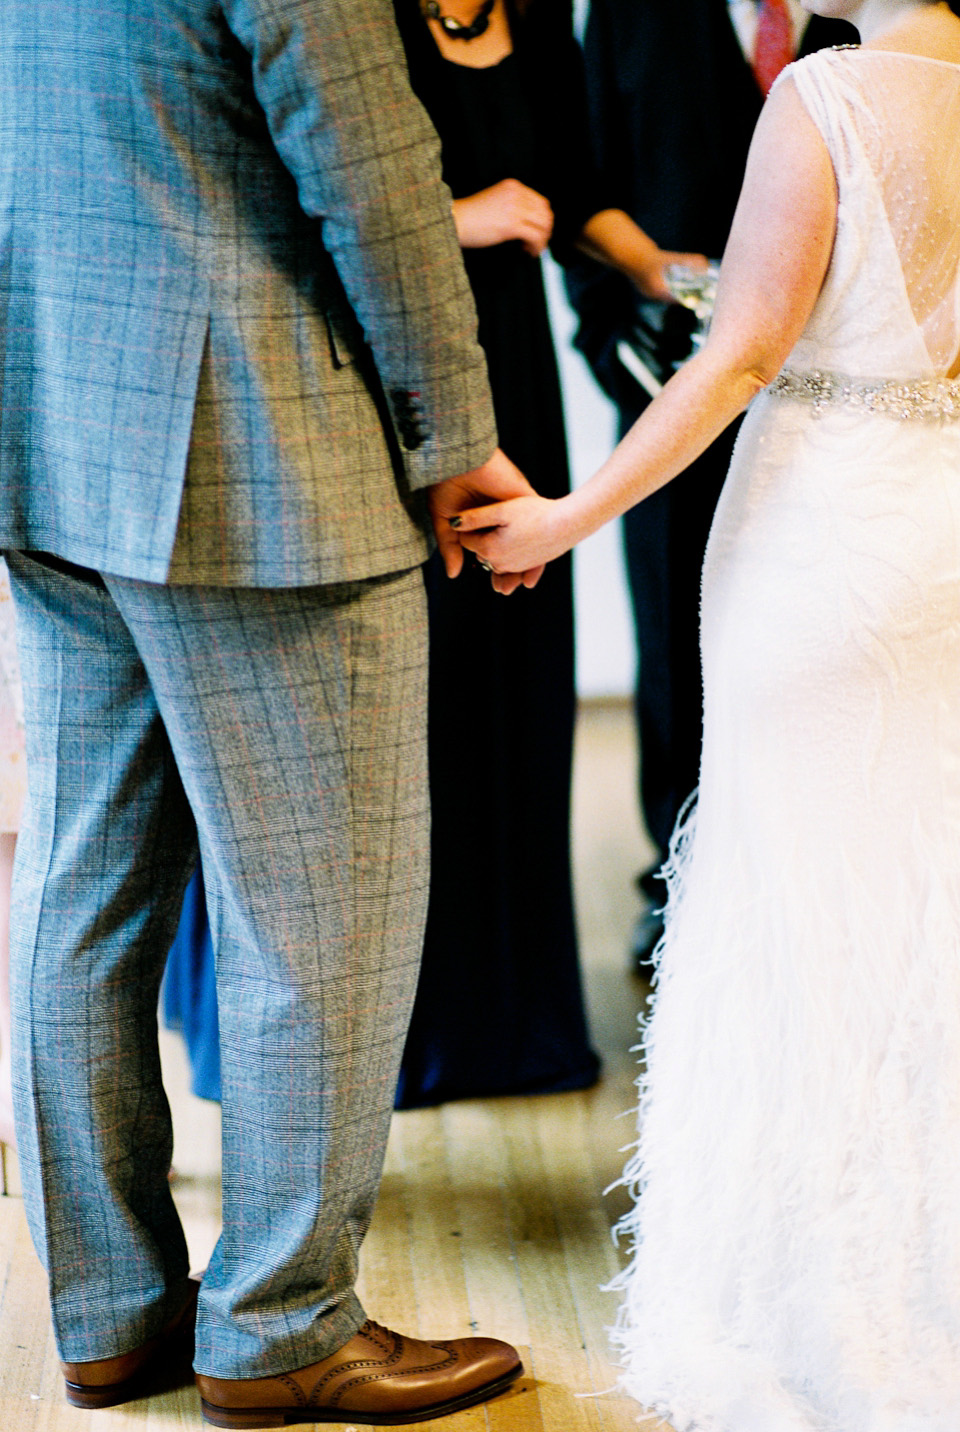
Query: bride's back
{"x": 915, "y": 152}
{"x": 891, "y": 121}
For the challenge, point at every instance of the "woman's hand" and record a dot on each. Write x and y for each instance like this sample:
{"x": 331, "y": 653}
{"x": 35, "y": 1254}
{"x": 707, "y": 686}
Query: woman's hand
{"x": 651, "y": 281}
{"x": 612, "y": 237}
{"x": 505, "y": 211}
{"x": 516, "y": 536}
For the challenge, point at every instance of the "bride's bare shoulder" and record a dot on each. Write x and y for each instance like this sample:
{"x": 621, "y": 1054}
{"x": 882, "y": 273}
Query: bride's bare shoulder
{"x": 932, "y": 32}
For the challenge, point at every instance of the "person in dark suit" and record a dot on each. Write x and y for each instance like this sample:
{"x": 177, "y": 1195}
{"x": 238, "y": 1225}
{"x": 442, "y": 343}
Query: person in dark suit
{"x": 673, "y": 104}
{"x": 240, "y": 368}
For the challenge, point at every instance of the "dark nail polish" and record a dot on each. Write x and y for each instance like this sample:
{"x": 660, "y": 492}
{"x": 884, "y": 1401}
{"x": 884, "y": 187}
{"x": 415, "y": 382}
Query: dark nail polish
{"x": 454, "y": 521}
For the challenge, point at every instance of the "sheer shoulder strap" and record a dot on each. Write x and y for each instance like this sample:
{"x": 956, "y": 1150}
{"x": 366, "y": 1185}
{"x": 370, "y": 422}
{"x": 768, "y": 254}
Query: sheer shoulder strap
{"x": 819, "y": 82}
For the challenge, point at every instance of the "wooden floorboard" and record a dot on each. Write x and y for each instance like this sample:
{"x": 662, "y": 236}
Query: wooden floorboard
{"x": 492, "y": 1216}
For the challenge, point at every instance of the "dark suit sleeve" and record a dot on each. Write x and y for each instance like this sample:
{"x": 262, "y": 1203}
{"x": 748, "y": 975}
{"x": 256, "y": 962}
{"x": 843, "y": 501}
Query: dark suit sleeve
{"x": 574, "y": 186}
{"x": 608, "y": 127}
{"x": 332, "y": 81}
{"x": 604, "y": 300}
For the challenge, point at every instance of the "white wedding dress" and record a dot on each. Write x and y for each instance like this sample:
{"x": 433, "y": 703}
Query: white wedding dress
{"x": 797, "y": 1232}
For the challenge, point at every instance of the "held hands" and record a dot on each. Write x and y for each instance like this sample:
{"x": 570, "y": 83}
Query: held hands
{"x": 517, "y": 535}
{"x": 508, "y": 210}
{"x": 450, "y": 501}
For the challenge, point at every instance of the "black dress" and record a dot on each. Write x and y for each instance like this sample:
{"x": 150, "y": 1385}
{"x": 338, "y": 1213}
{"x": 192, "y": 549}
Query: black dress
{"x": 499, "y": 1008}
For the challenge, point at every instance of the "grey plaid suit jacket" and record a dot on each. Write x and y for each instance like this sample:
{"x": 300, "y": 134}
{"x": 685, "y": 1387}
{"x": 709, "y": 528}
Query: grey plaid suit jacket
{"x": 235, "y": 333}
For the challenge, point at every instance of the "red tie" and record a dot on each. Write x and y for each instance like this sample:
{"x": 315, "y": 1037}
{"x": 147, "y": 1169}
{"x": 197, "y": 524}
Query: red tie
{"x": 774, "y": 46}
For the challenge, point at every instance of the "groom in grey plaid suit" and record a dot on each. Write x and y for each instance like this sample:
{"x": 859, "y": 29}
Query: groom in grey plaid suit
{"x": 239, "y": 364}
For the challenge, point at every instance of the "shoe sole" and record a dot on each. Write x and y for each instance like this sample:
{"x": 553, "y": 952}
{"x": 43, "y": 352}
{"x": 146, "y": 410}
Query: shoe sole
{"x": 253, "y": 1417}
{"x": 114, "y": 1393}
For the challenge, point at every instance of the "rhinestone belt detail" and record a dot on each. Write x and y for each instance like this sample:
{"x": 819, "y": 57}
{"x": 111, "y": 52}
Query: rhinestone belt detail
{"x": 932, "y": 399}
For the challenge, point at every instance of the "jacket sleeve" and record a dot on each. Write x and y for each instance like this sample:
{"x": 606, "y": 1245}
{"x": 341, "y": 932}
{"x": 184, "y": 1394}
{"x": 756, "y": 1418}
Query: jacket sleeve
{"x": 604, "y": 300}
{"x": 552, "y": 75}
{"x": 332, "y": 81}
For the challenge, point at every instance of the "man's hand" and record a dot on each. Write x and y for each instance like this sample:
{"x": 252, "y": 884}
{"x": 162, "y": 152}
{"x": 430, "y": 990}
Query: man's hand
{"x": 497, "y": 480}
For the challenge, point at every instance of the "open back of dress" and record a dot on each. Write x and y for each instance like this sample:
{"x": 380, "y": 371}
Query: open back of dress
{"x": 892, "y": 125}
{"x": 918, "y": 165}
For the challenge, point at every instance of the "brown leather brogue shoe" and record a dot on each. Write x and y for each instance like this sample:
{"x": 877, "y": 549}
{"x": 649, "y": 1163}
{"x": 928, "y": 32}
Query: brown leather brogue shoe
{"x": 378, "y": 1376}
{"x": 110, "y": 1380}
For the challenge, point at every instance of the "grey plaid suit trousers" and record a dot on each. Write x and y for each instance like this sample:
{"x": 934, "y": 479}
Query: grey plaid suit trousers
{"x": 282, "y": 733}
{"x": 237, "y": 344}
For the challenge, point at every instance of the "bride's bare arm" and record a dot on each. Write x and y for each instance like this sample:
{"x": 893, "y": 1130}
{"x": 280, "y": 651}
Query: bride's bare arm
{"x": 773, "y": 268}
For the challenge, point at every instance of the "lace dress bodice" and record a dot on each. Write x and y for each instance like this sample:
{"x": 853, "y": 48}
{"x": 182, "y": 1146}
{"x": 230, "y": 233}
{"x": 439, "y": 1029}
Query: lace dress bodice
{"x": 890, "y": 305}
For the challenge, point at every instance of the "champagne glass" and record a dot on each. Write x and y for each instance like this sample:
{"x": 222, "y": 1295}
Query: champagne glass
{"x": 696, "y": 289}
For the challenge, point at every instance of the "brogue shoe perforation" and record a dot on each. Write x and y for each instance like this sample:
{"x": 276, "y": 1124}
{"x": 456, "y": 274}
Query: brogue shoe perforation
{"x": 393, "y": 1351}
{"x": 355, "y": 1382}
{"x": 300, "y": 1397}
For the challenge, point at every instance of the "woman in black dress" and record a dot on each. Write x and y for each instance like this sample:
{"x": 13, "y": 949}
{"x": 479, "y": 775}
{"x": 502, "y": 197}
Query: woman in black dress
{"x": 499, "y": 1008}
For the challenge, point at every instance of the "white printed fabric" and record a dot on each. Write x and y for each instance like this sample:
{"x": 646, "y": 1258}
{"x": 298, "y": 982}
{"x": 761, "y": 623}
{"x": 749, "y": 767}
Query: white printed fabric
{"x": 797, "y": 1240}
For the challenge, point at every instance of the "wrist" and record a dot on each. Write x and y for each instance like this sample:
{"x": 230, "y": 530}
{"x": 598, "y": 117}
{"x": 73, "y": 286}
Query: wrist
{"x": 574, "y": 518}
{"x": 461, "y": 222}
{"x": 646, "y": 275}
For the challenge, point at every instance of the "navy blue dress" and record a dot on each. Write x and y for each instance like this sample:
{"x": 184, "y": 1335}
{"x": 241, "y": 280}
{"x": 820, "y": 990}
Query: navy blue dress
{"x": 189, "y": 994}
{"x": 499, "y": 1008}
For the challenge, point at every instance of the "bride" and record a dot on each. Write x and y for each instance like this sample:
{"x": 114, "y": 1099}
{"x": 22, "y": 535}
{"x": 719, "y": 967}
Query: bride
{"x": 797, "y": 1232}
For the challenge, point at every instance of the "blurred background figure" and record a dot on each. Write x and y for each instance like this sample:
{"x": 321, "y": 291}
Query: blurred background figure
{"x": 499, "y": 1007}
{"x": 189, "y": 994}
{"x": 13, "y": 787}
{"x": 675, "y": 88}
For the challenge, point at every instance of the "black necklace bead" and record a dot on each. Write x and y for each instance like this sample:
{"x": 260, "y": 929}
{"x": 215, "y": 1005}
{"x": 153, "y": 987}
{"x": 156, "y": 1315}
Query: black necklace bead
{"x": 456, "y": 29}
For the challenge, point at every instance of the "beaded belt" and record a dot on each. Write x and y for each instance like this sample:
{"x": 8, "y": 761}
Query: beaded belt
{"x": 929, "y": 398}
